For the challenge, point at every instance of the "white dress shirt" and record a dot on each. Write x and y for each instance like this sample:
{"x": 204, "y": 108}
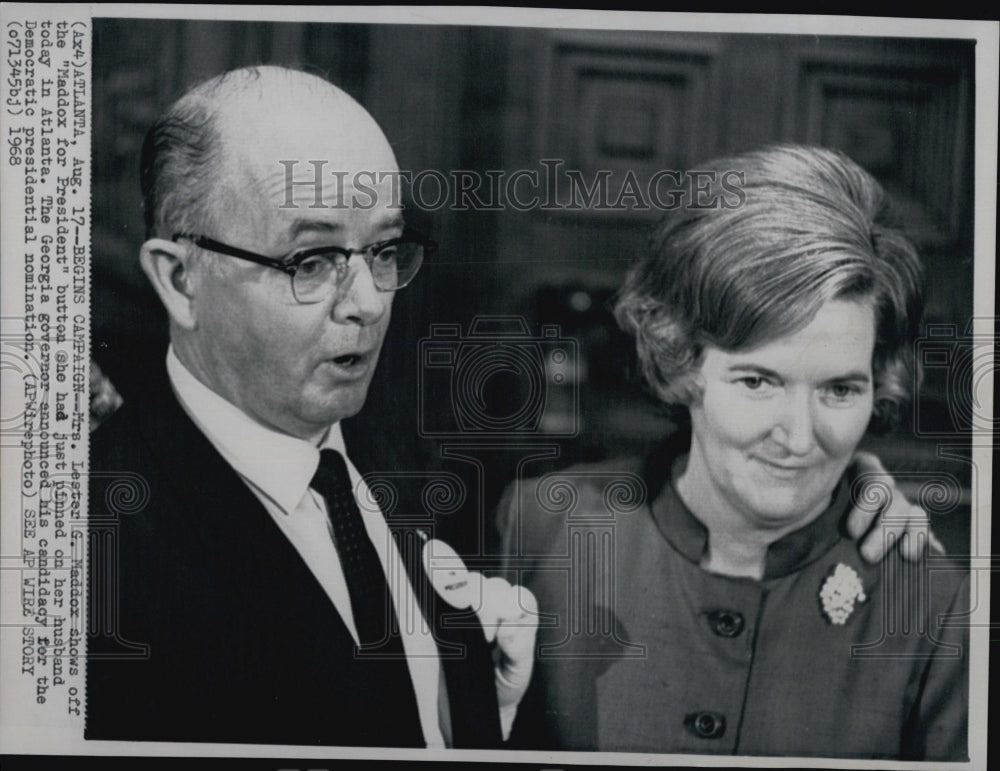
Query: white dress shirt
{"x": 278, "y": 468}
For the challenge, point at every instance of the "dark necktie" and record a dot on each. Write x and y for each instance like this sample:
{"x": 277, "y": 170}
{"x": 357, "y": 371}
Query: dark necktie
{"x": 371, "y": 603}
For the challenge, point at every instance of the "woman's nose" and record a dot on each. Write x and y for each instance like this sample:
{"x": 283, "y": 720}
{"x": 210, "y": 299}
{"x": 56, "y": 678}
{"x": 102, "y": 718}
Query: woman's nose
{"x": 794, "y": 428}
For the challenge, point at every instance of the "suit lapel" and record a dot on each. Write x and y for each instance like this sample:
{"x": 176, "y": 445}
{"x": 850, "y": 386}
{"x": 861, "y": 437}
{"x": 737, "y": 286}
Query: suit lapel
{"x": 260, "y": 568}
{"x": 272, "y": 654}
{"x": 228, "y": 518}
{"x": 465, "y": 657}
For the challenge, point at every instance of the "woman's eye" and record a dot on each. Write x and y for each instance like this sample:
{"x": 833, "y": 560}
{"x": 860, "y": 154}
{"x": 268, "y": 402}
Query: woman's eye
{"x": 842, "y": 391}
{"x": 843, "y": 394}
{"x": 757, "y": 386}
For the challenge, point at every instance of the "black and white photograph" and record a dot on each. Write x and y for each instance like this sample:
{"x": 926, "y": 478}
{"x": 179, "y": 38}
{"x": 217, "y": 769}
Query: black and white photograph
{"x": 515, "y": 388}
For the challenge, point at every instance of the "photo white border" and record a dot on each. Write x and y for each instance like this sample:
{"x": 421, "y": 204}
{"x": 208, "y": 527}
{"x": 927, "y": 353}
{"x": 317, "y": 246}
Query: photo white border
{"x": 986, "y": 79}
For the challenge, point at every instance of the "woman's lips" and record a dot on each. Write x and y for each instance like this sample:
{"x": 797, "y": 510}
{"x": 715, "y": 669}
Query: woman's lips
{"x": 782, "y": 470}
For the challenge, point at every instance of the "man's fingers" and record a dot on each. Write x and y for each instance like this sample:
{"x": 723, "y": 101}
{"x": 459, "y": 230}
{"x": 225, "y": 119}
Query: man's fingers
{"x": 919, "y": 538}
{"x": 913, "y": 545}
{"x": 523, "y": 604}
{"x": 859, "y": 521}
{"x": 493, "y": 604}
{"x": 522, "y": 610}
{"x": 883, "y": 519}
{"x": 874, "y": 547}
{"x": 873, "y": 492}
{"x": 516, "y": 646}
{"x": 906, "y": 527}
{"x": 916, "y": 542}
{"x": 515, "y": 611}
{"x": 520, "y": 618}
{"x": 867, "y": 463}
{"x": 936, "y": 546}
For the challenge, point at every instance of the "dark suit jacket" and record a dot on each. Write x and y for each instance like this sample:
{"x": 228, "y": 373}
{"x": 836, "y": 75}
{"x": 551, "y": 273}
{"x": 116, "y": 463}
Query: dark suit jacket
{"x": 206, "y": 625}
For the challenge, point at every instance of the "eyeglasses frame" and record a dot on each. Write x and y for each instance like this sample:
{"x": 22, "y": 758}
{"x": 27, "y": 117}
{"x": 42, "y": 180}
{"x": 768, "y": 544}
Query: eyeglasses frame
{"x": 290, "y": 265}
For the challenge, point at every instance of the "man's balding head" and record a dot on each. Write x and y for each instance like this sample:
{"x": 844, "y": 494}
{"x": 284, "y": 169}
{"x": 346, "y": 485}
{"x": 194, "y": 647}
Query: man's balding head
{"x": 216, "y": 167}
{"x": 224, "y": 122}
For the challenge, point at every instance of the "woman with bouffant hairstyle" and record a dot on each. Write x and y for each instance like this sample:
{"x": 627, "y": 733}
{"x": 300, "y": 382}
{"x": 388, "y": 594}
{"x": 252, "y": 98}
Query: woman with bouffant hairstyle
{"x": 812, "y": 226}
{"x": 721, "y": 607}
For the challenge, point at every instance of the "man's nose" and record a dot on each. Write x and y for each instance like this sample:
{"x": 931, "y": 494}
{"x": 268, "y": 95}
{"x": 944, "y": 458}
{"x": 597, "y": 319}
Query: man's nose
{"x": 795, "y": 426}
{"x": 358, "y": 300}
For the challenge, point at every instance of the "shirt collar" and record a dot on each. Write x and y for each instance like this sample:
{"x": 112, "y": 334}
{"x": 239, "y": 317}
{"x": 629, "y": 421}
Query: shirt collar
{"x": 690, "y": 537}
{"x": 279, "y": 465}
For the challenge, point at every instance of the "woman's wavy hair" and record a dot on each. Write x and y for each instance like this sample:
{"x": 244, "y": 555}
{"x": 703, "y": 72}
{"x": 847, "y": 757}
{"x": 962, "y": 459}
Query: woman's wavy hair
{"x": 808, "y": 226}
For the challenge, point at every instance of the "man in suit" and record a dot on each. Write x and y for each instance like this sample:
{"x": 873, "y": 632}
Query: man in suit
{"x": 238, "y": 592}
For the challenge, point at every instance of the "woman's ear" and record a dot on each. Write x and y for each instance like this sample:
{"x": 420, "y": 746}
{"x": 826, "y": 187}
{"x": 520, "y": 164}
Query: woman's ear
{"x": 168, "y": 265}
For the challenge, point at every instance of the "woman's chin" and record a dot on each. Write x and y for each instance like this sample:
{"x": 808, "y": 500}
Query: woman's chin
{"x": 782, "y": 507}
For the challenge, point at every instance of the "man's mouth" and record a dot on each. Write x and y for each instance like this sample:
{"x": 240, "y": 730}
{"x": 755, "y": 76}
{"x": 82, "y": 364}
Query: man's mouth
{"x": 352, "y": 363}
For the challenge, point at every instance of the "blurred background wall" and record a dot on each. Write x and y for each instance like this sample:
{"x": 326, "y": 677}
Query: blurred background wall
{"x": 504, "y": 99}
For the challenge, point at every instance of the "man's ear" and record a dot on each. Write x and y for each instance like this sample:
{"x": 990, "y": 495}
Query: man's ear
{"x": 168, "y": 266}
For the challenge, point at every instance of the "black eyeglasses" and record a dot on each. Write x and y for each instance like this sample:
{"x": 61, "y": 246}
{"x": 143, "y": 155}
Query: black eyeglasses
{"x": 316, "y": 273}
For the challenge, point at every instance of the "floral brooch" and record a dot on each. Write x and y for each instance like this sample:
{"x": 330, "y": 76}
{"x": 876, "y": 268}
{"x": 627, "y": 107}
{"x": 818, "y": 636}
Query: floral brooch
{"x": 841, "y": 589}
